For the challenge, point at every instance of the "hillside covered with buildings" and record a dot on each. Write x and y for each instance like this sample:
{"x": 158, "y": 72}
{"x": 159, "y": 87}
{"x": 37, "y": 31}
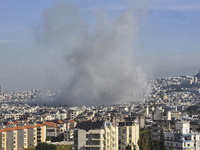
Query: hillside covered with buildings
{"x": 167, "y": 119}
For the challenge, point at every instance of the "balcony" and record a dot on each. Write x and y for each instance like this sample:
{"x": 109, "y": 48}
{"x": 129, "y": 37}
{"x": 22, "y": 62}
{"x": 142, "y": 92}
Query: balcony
{"x": 90, "y": 146}
{"x": 94, "y": 137}
{"x": 93, "y": 144}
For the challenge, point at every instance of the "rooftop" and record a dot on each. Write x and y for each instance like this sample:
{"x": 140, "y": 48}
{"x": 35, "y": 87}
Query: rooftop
{"x": 89, "y": 125}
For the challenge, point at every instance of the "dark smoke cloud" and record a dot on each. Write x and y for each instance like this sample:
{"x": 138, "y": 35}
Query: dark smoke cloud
{"x": 102, "y": 66}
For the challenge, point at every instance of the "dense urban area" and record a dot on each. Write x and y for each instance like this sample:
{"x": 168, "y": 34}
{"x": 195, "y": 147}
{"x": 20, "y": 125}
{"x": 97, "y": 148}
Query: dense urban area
{"x": 168, "y": 119}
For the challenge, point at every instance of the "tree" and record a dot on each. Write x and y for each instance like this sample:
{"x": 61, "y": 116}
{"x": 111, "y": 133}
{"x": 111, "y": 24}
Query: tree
{"x": 45, "y": 146}
{"x": 156, "y": 145}
{"x": 145, "y": 142}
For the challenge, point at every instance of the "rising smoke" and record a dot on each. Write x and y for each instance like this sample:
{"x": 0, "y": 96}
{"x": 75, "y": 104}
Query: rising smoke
{"x": 101, "y": 61}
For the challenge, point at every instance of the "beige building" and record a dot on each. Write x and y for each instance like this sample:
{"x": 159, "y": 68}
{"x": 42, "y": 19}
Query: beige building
{"x": 6, "y": 139}
{"x": 41, "y": 133}
{"x": 69, "y": 133}
{"x": 30, "y": 136}
{"x": 72, "y": 114}
{"x": 97, "y": 135}
{"x": 54, "y": 129}
{"x": 128, "y": 133}
{"x": 18, "y": 137}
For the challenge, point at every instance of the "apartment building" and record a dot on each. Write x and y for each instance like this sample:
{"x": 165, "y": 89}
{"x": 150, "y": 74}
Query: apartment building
{"x": 72, "y": 114}
{"x": 6, "y": 139}
{"x": 18, "y": 137}
{"x": 182, "y": 138}
{"x": 41, "y": 133}
{"x": 160, "y": 126}
{"x": 70, "y": 124}
{"x": 128, "y": 133}
{"x": 99, "y": 135}
{"x": 30, "y": 136}
{"x": 69, "y": 133}
{"x": 54, "y": 129}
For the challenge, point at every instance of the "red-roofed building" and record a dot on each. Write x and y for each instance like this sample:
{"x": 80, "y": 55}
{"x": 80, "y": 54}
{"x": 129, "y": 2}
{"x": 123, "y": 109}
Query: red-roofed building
{"x": 41, "y": 133}
{"x": 55, "y": 129}
{"x": 6, "y": 138}
{"x": 51, "y": 129}
{"x": 69, "y": 133}
{"x": 19, "y": 137}
{"x": 30, "y": 136}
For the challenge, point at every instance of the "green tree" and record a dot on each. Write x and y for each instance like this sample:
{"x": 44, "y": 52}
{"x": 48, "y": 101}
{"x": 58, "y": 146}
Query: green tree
{"x": 45, "y": 146}
{"x": 156, "y": 145}
{"x": 145, "y": 142}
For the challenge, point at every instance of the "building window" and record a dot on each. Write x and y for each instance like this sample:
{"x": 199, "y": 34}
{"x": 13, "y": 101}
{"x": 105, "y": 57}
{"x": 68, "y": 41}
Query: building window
{"x": 108, "y": 133}
{"x": 107, "y": 141}
{"x": 130, "y": 129}
{"x": 124, "y": 131}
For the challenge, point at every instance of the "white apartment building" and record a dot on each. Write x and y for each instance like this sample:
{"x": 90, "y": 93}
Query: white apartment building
{"x": 99, "y": 135}
{"x": 182, "y": 138}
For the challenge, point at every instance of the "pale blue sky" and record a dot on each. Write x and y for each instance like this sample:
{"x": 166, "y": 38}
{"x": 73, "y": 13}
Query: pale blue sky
{"x": 168, "y": 36}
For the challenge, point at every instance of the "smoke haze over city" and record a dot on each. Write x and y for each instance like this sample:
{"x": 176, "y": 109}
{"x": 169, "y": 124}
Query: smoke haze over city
{"x": 62, "y": 44}
{"x": 102, "y": 64}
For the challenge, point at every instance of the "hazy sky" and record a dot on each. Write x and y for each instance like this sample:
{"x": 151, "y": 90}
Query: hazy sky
{"x": 167, "y": 39}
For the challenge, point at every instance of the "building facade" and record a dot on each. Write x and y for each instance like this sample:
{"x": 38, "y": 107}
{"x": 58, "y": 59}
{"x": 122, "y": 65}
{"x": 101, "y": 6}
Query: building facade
{"x": 182, "y": 138}
{"x": 18, "y": 137}
{"x": 129, "y": 133}
{"x": 97, "y": 135}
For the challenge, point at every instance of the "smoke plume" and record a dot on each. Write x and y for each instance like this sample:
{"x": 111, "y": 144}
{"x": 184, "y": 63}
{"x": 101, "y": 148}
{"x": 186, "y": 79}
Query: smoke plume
{"x": 102, "y": 64}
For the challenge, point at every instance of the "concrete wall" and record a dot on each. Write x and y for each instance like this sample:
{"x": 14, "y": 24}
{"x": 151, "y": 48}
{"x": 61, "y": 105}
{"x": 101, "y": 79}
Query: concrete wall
{"x": 30, "y": 137}
{"x": 20, "y": 139}
{"x": 9, "y": 140}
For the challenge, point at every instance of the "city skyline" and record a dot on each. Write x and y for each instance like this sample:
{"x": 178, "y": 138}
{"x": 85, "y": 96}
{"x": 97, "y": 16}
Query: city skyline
{"x": 166, "y": 43}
